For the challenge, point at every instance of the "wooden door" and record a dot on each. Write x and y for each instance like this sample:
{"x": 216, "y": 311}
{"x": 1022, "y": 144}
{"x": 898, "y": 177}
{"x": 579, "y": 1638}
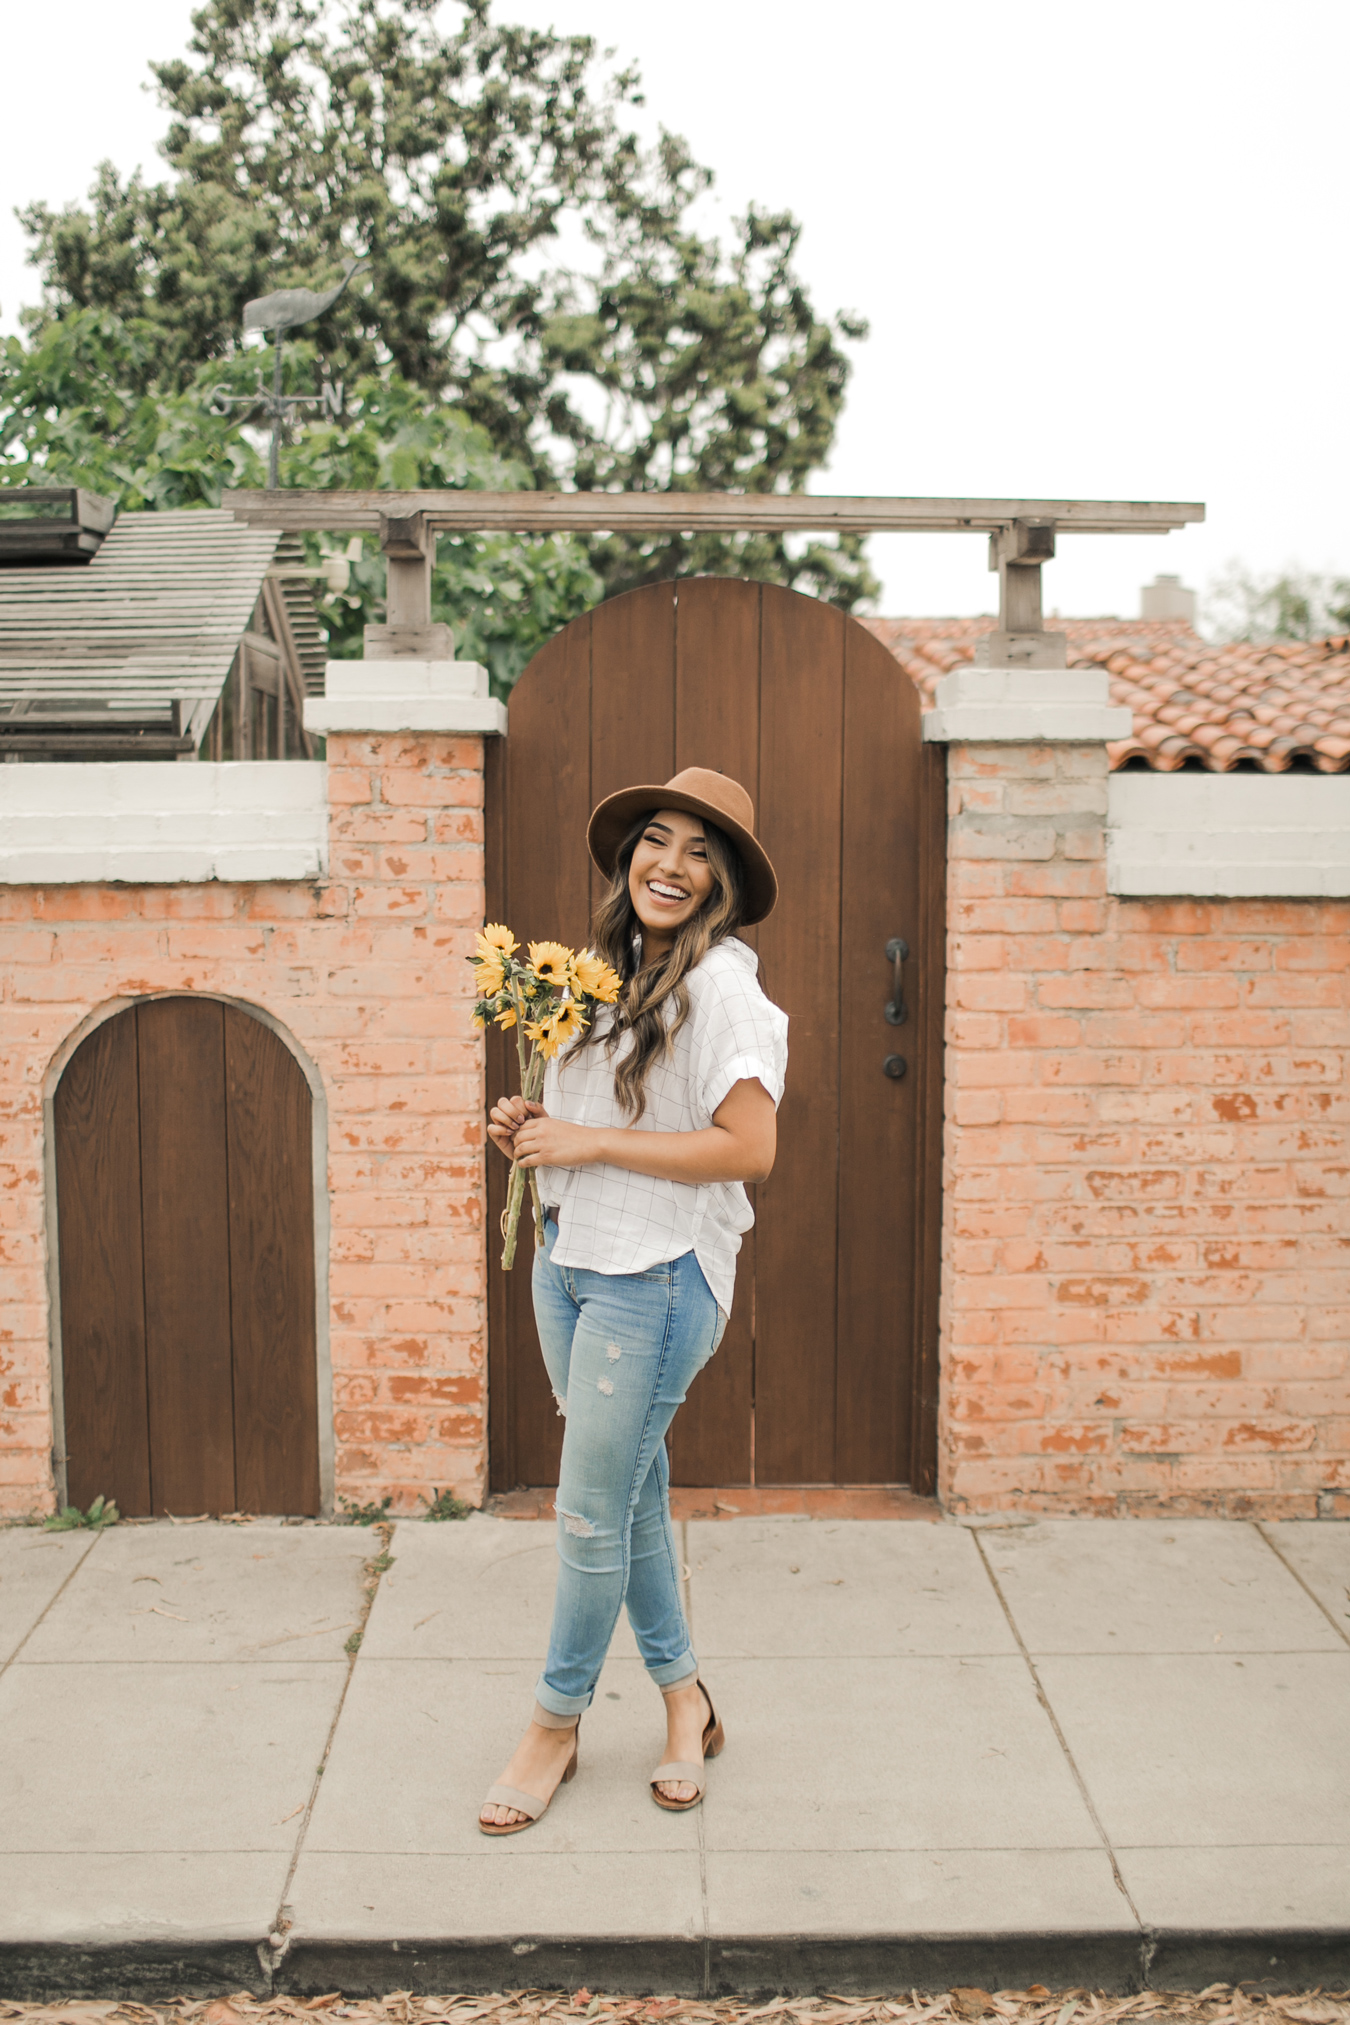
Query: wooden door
{"x": 828, "y": 1372}
{"x": 185, "y": 1218}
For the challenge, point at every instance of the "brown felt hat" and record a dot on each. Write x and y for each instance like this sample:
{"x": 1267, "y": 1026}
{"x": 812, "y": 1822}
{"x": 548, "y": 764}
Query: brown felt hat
{"x": 698, "y": 791}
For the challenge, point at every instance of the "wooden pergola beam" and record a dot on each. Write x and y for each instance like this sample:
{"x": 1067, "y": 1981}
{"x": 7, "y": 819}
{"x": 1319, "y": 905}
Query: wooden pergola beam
{"x": 698, "y": 513}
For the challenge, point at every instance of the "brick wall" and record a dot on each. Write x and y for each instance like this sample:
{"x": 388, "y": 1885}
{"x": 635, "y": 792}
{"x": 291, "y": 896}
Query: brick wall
{"x": 1146, "y": 1272}
{"x": 1147, "y": 1215}
{"x": 366, "y": 969}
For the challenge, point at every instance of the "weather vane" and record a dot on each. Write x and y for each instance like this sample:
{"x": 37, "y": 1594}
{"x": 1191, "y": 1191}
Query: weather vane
{"x": 282, "y": 312}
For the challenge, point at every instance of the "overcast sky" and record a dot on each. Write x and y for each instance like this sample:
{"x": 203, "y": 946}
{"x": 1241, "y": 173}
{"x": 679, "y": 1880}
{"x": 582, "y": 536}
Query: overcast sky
{"x": 1101, "y": 246}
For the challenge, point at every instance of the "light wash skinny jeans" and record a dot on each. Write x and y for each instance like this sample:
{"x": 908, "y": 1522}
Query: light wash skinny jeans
{"x": 621, "y": 1350}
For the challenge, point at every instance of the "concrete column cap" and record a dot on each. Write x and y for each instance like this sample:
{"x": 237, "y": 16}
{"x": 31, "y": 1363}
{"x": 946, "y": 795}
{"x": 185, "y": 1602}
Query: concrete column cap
{"x": 1026, "y": 706}
{"x": 406, "y": 695}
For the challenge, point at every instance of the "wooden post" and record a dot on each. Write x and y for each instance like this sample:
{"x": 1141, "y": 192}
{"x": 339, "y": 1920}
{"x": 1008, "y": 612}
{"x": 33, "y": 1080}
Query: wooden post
{"x": 1017, "y": 553}
{"x": 409, "y": 544}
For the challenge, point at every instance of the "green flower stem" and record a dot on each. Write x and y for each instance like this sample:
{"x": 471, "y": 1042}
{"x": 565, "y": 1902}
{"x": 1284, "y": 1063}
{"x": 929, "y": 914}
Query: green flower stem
{"x": 531, "y": 1083}
{"x": 515, "y": 1195}
{"x": 533, "y": 1093}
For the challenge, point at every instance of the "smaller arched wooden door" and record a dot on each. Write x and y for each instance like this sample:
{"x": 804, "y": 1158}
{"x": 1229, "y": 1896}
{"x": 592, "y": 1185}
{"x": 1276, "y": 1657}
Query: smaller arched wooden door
{"x": 828, "y": 1373}
{"x": 185, "y": 1221}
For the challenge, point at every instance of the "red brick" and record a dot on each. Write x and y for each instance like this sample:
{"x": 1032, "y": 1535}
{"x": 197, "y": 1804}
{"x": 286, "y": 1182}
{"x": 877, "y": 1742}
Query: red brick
{"x": 967, "y": 953}
{"x": 458, "y": 826}
{"x": 348, "y": 785}
{"x": 1057, "y": 879}
{"x": 1004, "y": 917}
{"x": 988, "y": 991}
{"x": 1097, "y": 991}
{"x": 1041, "y": 1031}
{"x": 406, "y": 788}
{"x": 967, "y": 880}
{"x": 1323, "y": 954}
{"x": 974, "y": 1030}
{"x": 1245, "y": 1030}
{"x": 378, "y": 826}
{"x": 1292, "y": 989}
{"x": 1089, "y": 1065}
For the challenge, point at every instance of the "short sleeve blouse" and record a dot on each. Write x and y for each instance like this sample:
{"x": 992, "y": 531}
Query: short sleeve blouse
{"x": 611, "y": 1221}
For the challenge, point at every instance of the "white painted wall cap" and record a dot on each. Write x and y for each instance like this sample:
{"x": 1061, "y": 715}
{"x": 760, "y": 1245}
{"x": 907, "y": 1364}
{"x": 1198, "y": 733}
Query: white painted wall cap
{"x": 347, "y": 680}
{"x": 81, "y": 788}
{"x": 480, "y": 716}
{"x": 141, "y": 821}
{"x": 1229, "y": 835}
{"x": 1025, "y": 706}
{"x": 1025, "y": 687}
{"x": 399, "y": 695}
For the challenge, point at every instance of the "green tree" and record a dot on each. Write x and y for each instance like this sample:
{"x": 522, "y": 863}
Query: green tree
{"x": 74, "y": 411}
{"x": 529, "y": 259}
{"x": 1296, "y": 604}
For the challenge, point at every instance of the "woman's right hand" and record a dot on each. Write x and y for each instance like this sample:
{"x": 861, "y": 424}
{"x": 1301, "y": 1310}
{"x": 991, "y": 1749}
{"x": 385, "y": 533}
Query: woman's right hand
{"x": 506, "y": 1116}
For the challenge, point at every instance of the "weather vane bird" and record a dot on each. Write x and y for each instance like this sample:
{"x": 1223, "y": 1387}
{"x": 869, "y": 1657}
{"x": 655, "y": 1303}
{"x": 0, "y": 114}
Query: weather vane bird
{"x": 280, "y": 312}
{"x": 289, "y": 306}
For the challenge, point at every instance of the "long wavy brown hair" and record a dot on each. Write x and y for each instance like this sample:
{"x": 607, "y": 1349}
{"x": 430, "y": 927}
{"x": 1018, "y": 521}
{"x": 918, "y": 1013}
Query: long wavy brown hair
{"x": 654, "y": 1003}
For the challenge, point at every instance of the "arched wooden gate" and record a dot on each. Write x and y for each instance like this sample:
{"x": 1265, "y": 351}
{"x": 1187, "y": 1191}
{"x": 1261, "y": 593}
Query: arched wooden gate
{"x": 828, "y": 1372}
{"x": 185, "y": 1218}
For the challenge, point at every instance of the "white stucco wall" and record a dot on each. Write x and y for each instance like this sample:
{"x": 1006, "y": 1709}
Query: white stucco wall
{"x": 1229, "y": 835}
{"x": 147, "y": 820}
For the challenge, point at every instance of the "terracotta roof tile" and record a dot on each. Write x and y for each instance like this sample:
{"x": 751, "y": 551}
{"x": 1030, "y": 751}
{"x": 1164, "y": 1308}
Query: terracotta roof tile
{"x": 1267, "y": 704}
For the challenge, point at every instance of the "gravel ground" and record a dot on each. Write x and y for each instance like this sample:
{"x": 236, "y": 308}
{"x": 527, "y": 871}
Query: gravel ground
{"x": 1221, "y": 2004}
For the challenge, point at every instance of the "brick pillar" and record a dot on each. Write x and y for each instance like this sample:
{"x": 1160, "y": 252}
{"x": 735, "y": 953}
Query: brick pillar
{"x": 1145, "y": 1279}
{"x": 406, "y": 1090}
{"x": 1027, "y": 770}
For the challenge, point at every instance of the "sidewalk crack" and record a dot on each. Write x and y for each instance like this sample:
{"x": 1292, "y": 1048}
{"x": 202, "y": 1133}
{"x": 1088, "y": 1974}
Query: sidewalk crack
{"x": 1060, "y": 1738}
{"x": 1311, "y": 1594}
{"x": 50, "y": 1604}
{"x": 687, "y": 1583}
{"x": 273, "y": 1950}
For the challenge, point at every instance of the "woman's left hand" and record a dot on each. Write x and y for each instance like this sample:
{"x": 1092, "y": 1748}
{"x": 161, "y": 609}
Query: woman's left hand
{"x": 552, "y": 1142}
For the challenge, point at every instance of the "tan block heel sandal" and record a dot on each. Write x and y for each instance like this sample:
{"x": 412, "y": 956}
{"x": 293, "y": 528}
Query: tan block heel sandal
{"x": 528, "y": 1804}
{"x": 714, "y": 1737}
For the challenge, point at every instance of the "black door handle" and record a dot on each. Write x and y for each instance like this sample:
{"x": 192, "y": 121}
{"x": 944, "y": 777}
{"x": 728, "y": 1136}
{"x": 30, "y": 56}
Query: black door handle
{"x": 897, "y": 949}
{"x": 897, "y": 1012}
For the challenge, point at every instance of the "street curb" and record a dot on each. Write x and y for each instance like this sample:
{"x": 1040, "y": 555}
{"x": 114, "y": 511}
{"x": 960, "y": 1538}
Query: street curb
{"x": 148, "y": 1972}
{"x": 859, "y": 1965}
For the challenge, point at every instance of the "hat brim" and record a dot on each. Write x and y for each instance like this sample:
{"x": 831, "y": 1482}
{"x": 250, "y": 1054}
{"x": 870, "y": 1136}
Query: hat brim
{"x": 616, "y": 815}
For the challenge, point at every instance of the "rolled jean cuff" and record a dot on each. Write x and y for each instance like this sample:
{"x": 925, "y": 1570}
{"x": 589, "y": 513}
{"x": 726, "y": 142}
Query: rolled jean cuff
{"x": 549, "y": 1699}
{"x": 548, "y": 1721}
{"x": 676, "y": 1672}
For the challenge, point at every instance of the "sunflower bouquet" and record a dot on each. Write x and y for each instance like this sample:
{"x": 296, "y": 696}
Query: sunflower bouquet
{"x": 548, "y": 1001}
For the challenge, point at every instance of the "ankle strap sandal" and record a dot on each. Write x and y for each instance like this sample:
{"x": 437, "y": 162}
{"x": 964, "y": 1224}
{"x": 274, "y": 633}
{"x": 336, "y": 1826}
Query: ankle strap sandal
{"x": 714, "y": 1738}
{"x": 528, "y": 1804}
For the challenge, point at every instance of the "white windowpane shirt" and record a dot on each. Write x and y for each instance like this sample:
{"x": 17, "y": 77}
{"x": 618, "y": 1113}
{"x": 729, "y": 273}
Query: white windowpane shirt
{"x": 610, "y": 1221}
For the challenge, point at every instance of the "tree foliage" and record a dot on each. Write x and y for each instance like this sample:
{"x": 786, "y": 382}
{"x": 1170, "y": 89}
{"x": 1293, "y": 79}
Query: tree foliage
{"x": 1295, "y": 604}
{"x": 74, "y": 409}
{"x": 530, "y": 260}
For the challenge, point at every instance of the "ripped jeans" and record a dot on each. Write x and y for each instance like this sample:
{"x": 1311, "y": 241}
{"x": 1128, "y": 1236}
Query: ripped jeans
{"x": 621, "y": 1350}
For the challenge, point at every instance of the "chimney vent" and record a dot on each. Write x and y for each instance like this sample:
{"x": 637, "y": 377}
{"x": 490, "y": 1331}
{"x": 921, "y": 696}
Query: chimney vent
{"x": 1167, "y": 598}
{"x": 41, "y": 524}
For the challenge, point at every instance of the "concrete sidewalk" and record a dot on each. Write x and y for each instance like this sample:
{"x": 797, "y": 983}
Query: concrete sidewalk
{"x": 1091, "y": 1752}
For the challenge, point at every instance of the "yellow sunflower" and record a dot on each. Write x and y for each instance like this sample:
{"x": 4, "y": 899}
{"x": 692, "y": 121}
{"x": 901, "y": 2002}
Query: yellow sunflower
{"x": 569, "y": 1022}
{"x": 491, "y": 976}
{"x": 496, "y": 936}
{"x": 595, "y": 977}
{"x": 506, "y": 1017}
{"x": 544, "y": 1033}
{"x": 552, "y": 963}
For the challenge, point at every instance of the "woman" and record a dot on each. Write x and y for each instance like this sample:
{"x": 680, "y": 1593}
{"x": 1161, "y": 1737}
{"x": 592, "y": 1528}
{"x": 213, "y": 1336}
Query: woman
{"x": 649, "y": 1126}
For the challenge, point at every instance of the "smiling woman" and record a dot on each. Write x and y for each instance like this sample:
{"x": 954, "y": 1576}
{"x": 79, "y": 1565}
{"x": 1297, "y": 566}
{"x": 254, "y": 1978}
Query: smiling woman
{"x": 651, "y": 1123}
